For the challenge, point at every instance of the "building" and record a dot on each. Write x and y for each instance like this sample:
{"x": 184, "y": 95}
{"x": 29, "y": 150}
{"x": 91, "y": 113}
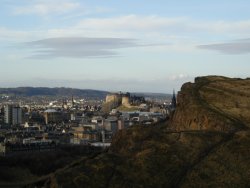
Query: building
{"x": 52, "y": 116}
{"x": 16, "y": 115}
{"x": 28, "y": 145}
{"x": 111, "y": 124}
{"x": 8, "y": 114}
{"x": 84, "y": 135}
{"x": 98, "y": 120}
{"x": 12, "y": 115}
{"x": 123, "y": 124}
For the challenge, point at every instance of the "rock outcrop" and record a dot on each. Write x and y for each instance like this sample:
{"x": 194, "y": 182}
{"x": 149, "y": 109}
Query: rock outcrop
{"x": 213, "y": 103}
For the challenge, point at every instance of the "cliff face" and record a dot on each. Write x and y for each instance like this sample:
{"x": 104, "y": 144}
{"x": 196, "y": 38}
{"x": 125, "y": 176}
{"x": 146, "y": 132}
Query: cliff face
{"x": 213, "y": 103}
{"x": 205, "y": 144}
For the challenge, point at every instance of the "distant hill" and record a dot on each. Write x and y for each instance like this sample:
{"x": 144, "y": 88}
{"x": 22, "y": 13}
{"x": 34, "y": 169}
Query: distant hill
{"x": 62, "y": 91}
{"x": 45, "y": 91}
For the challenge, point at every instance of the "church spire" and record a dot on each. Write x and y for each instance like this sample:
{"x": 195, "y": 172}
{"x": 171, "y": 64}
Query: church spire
{"x": 72, "y": 101}
{"x": 173, "y": 103}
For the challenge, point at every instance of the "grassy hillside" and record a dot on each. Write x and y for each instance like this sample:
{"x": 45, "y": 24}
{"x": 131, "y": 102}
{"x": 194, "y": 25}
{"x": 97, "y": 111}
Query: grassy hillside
{"x": 23, "y": 168}
{"x": 156, "y": 157}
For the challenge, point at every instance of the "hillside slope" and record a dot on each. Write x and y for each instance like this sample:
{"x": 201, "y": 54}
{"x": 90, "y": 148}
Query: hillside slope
{"x": 205, "y": 144}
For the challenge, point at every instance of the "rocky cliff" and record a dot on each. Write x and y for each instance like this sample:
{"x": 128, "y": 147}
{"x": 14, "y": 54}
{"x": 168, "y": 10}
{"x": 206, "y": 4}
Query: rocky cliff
{"x": 205, "y": 144}
{"x": 213, "y": 103}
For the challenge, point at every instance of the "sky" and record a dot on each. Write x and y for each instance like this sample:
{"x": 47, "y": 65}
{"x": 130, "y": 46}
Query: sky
{"x": 126, "y": 45}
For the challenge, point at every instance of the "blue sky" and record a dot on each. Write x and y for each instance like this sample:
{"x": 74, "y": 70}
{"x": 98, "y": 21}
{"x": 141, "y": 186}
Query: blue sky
{"x": 132, "y": 45}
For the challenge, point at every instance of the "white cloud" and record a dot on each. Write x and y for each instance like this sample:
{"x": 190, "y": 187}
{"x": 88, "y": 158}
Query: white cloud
{"x": 47, "y": 7}
{"x": 131, "y": 22}
{"x": 179, "y": 77}
{"x": 13, "y": 35}
{"x": 154, "y": 28}
{"x": 222, "y": 27}
{"x": 179, "y": 25}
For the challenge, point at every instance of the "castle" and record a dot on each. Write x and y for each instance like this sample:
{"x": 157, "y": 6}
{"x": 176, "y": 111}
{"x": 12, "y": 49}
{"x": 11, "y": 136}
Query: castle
{"x": 124, "y": 99}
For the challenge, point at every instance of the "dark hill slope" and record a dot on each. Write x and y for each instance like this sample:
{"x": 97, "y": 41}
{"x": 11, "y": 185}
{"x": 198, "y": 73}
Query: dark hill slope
{"x": 206, "y": 144}
{"x": 62, "y": 91}
{"x": 45, "y": 91}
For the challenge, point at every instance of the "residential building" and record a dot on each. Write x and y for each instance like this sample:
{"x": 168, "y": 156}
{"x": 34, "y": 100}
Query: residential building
{"x": 12, "y": 115}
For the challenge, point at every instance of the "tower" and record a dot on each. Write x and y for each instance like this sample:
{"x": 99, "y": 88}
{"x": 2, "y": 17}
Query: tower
{"x": 64, "y": 104}
{"x": 72, "y": 101}
{"x": 173, "y": 103}
{"x": 8, "y": 114}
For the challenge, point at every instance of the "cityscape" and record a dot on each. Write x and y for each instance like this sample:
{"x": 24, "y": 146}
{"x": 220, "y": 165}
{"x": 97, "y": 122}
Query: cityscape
{"x": 45, "y": 124}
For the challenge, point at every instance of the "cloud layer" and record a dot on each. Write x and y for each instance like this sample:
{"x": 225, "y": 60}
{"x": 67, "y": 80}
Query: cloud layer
{"x": 45, "y": 8}
{"x": 237, "y": 47}
{"x": 172, "y": 25}
{"x": 78, "y": 47}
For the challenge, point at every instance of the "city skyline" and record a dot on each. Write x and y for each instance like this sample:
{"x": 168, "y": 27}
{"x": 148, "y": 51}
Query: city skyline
{"x": 135, "y": 46}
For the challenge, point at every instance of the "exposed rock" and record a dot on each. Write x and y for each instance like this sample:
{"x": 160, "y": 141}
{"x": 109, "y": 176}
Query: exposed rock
{"x": 213, "y": 103}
